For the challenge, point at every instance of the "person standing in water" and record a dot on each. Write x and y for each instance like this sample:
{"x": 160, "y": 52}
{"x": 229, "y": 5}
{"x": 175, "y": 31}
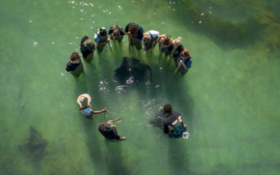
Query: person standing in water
{"x": 88, "y": 48}
{"x": 165, "y": 44}
{"x": 75, "y": 61}
{"x": 150, "y": 39}
{"x": 101, "y": 38}
{"x": 173, "y": 125}
{"x": 178, "y": 48}
{"x": 185, "y": 58}
{"x": 109, "y": 131}
{"x": 75, "y": 65}
{"x": 85, "y": 107}
{"x": 135, "y": 33}
{"x": 116, "y": 32}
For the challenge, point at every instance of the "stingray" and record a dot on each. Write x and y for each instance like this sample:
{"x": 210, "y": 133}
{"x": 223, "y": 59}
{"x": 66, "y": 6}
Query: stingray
{"x": 158, "y": 119}
{"x": 34, "y": 146}
{"x": 133, "y": 71}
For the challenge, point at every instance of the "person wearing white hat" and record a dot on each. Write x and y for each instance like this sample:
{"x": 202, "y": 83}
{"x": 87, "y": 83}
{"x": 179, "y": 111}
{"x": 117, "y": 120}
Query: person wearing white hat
{"x": 85, "y": 107}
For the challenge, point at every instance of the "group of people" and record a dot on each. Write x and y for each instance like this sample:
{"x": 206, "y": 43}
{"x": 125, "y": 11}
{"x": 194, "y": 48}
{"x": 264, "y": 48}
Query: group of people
{"x": 173, "y": 125}
{"x": 137, "y": 38}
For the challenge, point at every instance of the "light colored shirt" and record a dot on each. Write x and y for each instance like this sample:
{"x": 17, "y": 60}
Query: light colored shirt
{"x": 152, "y": 33}
{"x": 86, "y": 112}
{"x": 97, "y": 37}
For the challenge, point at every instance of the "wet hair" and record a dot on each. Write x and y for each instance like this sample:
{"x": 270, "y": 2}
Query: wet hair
{"x": 177, "y": 41}
{"x": 133, "y": 28}
{"x": 185, "y": 53}
{"x": 167, "y": 108}
{"x": 89, "y": 44}
{"x": 102, "y": 32}
{"x": 75, "y": 56}
{"x": 167, "y": 40}
{"x": 146, "y": 37}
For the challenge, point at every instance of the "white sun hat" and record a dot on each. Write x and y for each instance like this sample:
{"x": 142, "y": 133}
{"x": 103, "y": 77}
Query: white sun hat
{"x": 84, "y": 100}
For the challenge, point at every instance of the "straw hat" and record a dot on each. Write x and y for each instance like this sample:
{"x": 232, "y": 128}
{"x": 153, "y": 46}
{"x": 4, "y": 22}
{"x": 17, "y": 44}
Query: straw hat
{"x": 83, "y": 100}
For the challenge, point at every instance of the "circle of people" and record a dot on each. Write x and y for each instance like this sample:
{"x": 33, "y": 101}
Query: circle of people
{"x": 173, "y": 124}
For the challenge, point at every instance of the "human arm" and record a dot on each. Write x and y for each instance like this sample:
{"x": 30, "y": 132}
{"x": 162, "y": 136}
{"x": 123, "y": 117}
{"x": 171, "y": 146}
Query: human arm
{"x": 98, "y": 112}
{"x": 165, "y": 128}
{"x": 105, "y": 42}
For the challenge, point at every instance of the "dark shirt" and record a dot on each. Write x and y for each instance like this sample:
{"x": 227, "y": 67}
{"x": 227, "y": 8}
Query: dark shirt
{"x": 71, "y": 67}
{"x": 179, "y": 50}
{"x": 119, "y": 28}
{"x": 113, "y": 134}
{"x": 139, "y": 33}
{"x": 84, "y": 51}
{"x": 169, "y": 120}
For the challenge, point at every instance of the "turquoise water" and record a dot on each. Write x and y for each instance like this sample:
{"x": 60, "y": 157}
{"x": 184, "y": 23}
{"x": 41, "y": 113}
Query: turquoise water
{"x": 229, "y": 98}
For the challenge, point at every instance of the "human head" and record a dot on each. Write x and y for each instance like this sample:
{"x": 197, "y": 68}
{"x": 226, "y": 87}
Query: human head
{"x": 146, "y": 37}
{"x": 102, "y": 32}
{"x": 167, "y": 108}
{"x": 75, "y": 56}
{"x": 167, "y": 40}
{"x": 89, "y": 44}
{"x": 185, "y": 53}
{"x": 108, "y": 126}
{"x": 177, "y": 42}
{"x": 133, "y": 28}
{"x": 116, "y": 32}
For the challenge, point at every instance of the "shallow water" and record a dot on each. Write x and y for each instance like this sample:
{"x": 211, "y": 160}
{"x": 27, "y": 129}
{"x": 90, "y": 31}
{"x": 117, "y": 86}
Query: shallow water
{"x": 229, "y": 98}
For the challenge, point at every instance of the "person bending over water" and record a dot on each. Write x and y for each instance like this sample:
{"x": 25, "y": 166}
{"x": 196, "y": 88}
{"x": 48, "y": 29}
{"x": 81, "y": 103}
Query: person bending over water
{"x": 178, "y": 48}
{"x": 116, "y": 32}
{"x": 173, "y": 125}
{"x": 185, "y": 58}
{"x": 135, "y": 32}
{"x": 85, "y": 107}
{"x": 109, "y": 131}
{"x": 165, "y": 44}
{"x": 88, "y": 48}
{"x": 75, "y": 61}
{"x": 150, "y": 39}
{"x": 101, "y": 38}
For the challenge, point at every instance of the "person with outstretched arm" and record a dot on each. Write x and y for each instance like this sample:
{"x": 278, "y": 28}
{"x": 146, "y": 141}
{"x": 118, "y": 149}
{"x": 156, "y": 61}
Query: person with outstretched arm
{"x": 85, "y": 107}
{"x": 109, "y": 131}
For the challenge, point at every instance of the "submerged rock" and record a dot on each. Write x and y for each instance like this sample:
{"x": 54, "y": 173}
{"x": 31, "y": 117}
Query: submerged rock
{"x": 34, "y": 146}
{"x": 133, "y": 71}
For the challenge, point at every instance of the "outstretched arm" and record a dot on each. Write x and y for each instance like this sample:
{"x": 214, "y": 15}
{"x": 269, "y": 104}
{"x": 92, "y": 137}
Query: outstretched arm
{"x": 98, "y": 112}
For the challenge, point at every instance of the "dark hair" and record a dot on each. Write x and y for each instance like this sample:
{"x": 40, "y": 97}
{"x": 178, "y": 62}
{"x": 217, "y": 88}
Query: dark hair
{"x": 167, "y": 108}
{"x": 167, "y": 40}
{"x": 133, "y": 28}
{"x": 102, "y": 32}
{"x": 75, "y": 56}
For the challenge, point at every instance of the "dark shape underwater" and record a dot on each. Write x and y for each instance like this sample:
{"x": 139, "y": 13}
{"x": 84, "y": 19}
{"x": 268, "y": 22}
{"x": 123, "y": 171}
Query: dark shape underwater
{"x": 34, "y": 146}
{"x": 158, "y": 119}
{"x": 132, "y": 70}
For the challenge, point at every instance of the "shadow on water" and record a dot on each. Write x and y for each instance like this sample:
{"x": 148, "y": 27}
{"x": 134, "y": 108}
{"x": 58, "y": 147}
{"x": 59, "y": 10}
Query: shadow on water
{"x": 114, "y": 160}
{"x": 224, "y": 33}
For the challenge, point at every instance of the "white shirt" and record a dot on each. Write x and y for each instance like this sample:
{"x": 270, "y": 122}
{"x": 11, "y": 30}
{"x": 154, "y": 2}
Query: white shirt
{"x": 97, "y": 37}
{"x": 152, "y": 33}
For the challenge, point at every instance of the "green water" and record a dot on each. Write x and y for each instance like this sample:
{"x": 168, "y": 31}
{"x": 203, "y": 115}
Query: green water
{"x": 229, "y": 98}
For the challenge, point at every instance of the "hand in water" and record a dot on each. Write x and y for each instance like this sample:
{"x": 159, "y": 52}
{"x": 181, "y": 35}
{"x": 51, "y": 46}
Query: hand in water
{"x": 104, "y": 110}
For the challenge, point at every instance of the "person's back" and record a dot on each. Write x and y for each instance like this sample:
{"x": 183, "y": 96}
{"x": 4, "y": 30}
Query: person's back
{"x": 109, "y": 131}
{"x": 173, "y": 124}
